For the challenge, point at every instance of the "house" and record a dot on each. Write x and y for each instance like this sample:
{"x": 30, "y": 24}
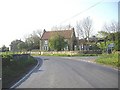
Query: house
{"x": 83, "y": 45}
{"x": 69, "y": 36}
{"x": 86, "y": 45}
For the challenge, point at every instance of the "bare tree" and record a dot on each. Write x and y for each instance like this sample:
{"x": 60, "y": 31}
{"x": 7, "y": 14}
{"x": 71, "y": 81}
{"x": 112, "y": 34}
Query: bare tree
{"x": 79, "y": 30}
{"x": 39, "y": 33}
{"x": 112, "y": 27}
{"x": 84, "y": 28}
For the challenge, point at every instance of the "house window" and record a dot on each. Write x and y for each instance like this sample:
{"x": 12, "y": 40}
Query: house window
{"x": 46, "y": 48}
{"x": 46, "y": 42}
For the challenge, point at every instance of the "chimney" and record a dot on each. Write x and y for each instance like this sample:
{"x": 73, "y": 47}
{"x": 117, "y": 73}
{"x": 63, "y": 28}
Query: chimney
{"x": 44, "y": 30}
{"x": 72, "y": 28}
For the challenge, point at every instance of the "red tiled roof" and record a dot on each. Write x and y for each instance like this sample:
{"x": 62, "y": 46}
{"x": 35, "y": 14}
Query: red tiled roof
{"x": 65, "y": 33}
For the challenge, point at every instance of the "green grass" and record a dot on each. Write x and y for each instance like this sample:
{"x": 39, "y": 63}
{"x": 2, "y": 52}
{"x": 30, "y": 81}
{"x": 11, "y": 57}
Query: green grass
{"x": 8, "y": 53}
{"x": 13, "y": 70}
{"x": 65, "y": 55}
{"x": 109, "y": 59}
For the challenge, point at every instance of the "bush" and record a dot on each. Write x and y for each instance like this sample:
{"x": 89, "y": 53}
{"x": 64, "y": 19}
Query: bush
{"x": 13, "y": 69}
{"x": 57, "y": 43}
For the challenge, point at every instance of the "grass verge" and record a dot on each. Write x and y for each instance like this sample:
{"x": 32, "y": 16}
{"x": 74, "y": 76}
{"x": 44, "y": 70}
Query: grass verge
{"x": 65, "y": 55}
{"x": 109, "y": 59}
{"x": 13, "y": 70}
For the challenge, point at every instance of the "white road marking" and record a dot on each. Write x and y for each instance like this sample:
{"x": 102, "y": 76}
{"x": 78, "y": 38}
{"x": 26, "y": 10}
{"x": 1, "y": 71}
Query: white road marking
{"x": 16, "y": 84}
{"x": 42, "y": 67}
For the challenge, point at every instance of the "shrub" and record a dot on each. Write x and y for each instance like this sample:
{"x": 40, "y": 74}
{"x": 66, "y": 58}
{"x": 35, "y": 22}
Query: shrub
{"x": 13, "y": 69}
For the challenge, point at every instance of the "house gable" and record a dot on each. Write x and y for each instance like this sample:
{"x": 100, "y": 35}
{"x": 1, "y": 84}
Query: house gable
{"x": 69, "y": 36}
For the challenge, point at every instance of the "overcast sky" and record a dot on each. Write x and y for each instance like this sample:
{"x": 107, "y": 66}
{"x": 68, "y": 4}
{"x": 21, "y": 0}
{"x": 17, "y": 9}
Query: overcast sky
{"x": 21, "y": 17}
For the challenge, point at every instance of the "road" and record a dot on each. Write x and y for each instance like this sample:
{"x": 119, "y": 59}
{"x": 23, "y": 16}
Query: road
{"x": 65, "y": 72}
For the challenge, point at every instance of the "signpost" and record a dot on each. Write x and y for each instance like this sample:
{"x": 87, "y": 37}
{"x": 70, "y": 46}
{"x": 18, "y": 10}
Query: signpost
{"x": 110, "y": 47}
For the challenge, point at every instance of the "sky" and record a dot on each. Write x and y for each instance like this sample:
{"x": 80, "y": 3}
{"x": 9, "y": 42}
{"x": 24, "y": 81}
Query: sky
{"x": 19, "y": 18}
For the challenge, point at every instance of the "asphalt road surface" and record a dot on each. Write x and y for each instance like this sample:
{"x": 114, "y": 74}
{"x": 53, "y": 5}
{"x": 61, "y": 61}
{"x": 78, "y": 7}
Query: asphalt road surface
{"x": 65, "y": 72}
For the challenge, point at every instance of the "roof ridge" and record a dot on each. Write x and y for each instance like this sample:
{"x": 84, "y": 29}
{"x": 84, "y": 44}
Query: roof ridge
{"x": 65, "y": 33}
{"x": 59, "y": 30}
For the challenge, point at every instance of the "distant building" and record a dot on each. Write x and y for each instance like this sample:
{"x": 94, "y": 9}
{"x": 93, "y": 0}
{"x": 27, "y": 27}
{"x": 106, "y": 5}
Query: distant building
{"x": 69, "y": 36}
{"x": 85, "y": 44}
